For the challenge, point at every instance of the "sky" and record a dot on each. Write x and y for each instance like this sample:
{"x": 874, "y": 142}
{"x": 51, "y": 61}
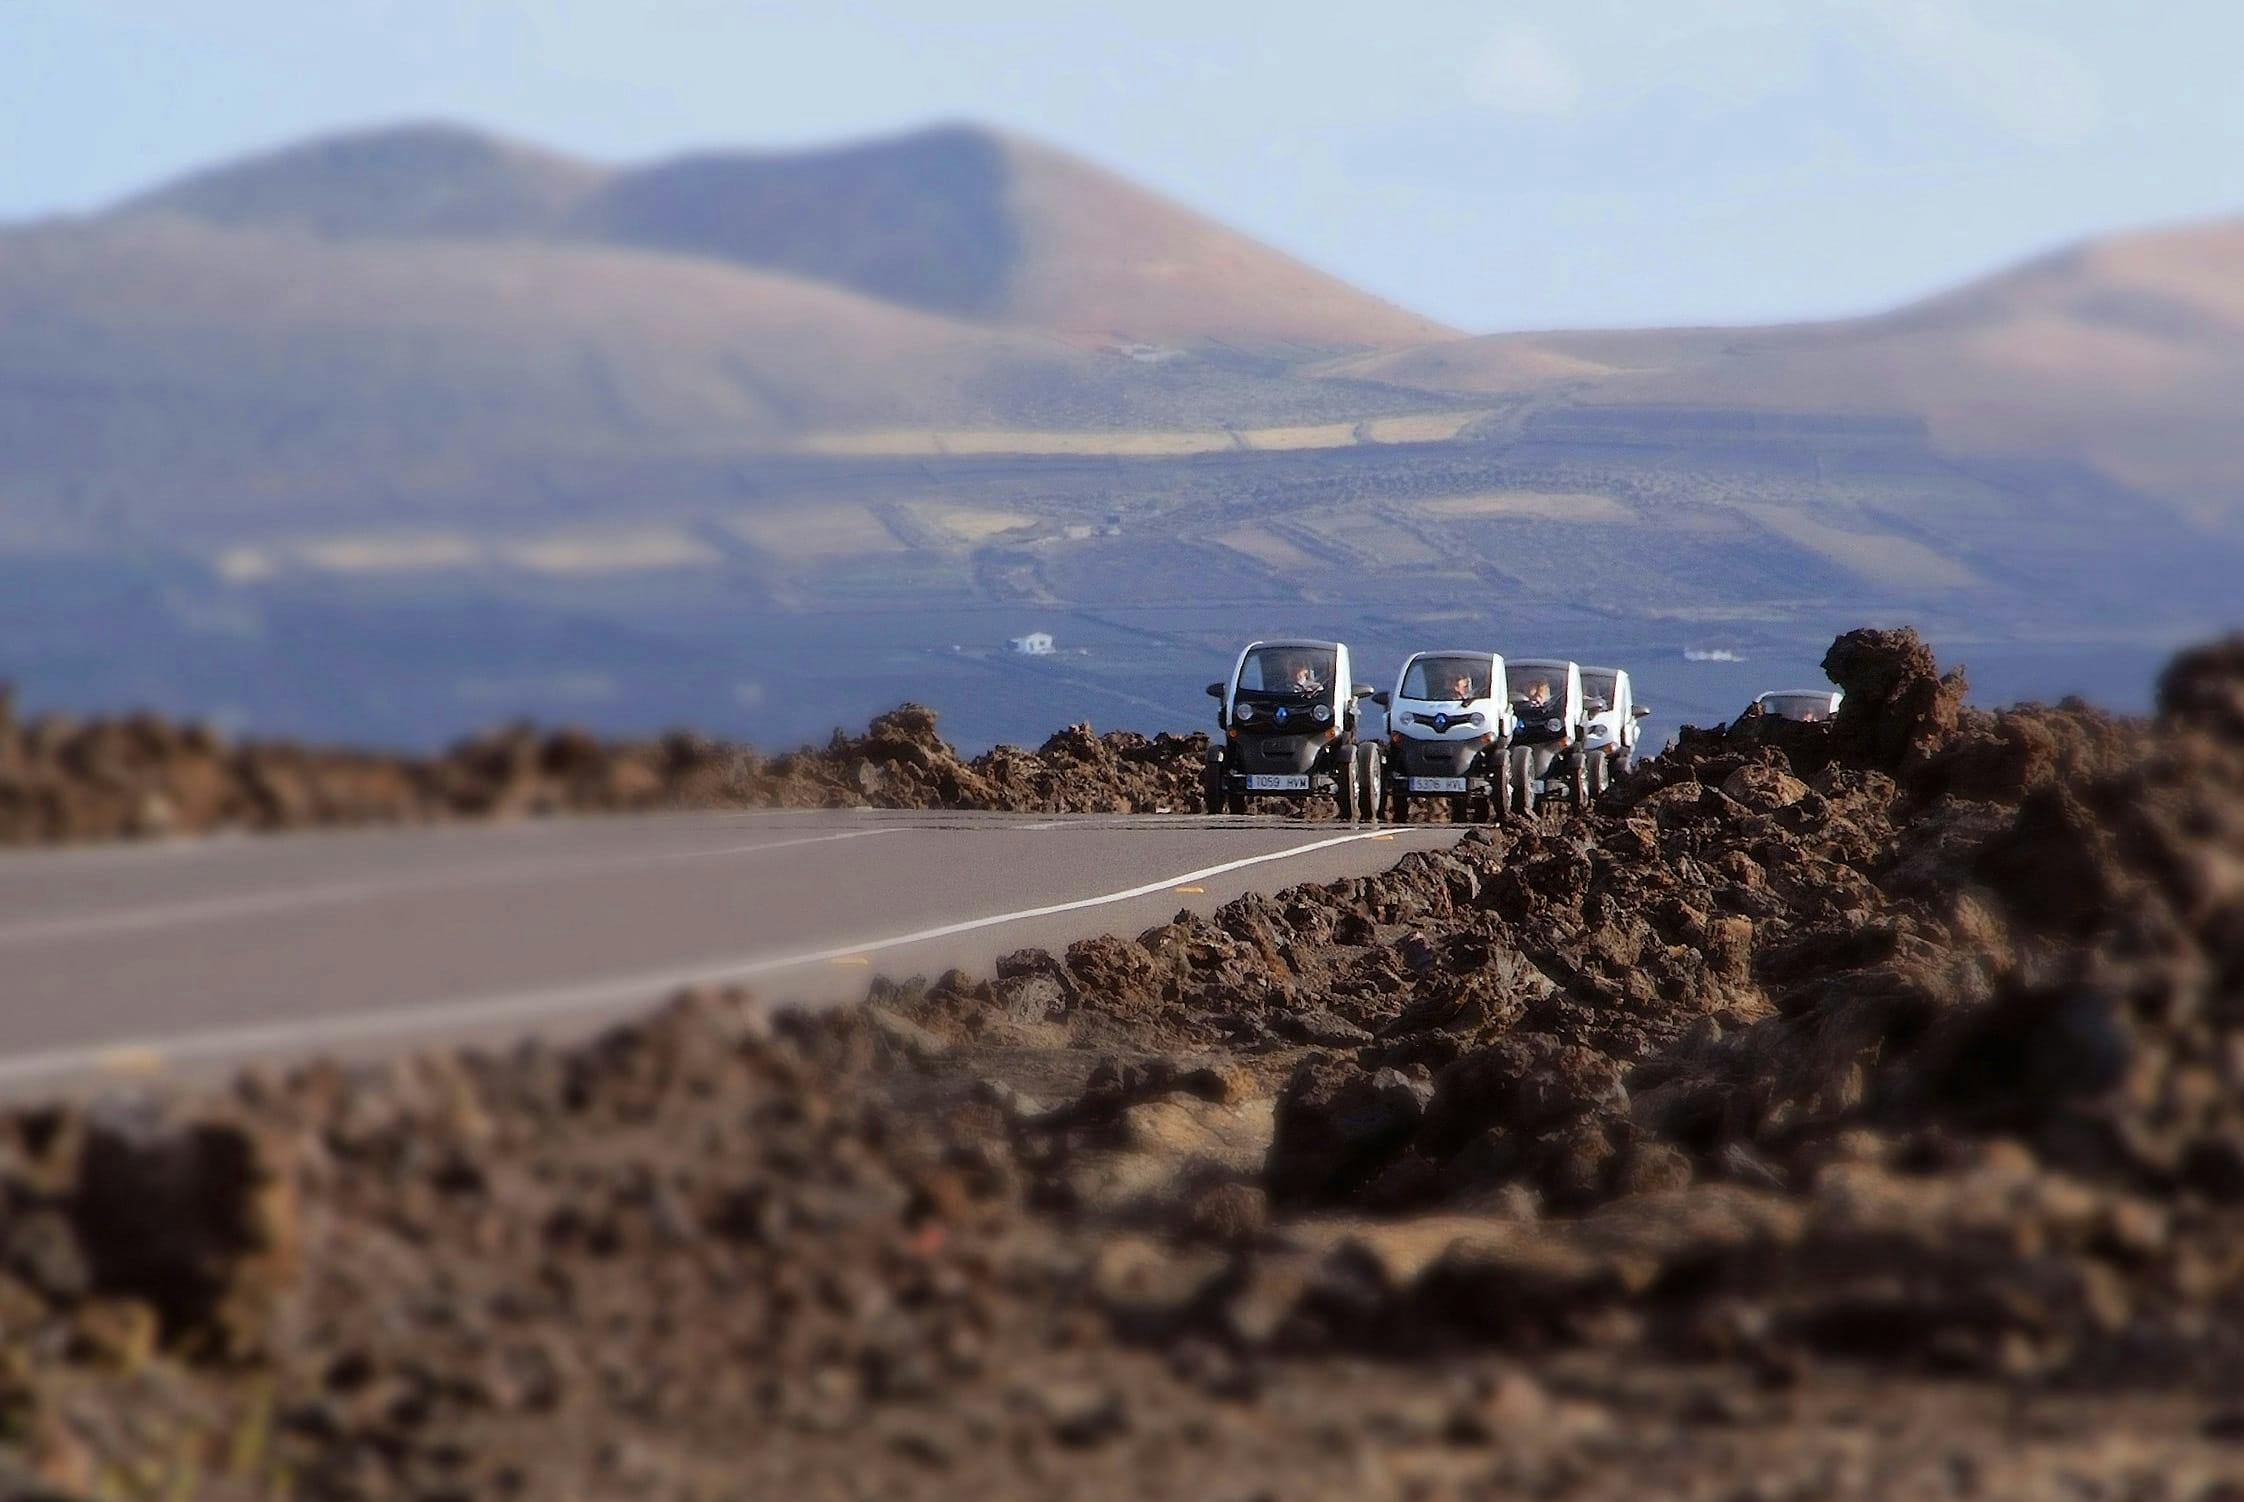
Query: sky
{"x": 1497, "y": 164}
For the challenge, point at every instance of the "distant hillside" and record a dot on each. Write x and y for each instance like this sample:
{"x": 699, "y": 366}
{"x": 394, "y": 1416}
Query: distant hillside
{"x": 424, "y": 321}
{"x": 387, "y": 434}
{"x": 155, "y": 336}
{"x": 409, "y": 180}
{"x": 2125, "y": 354}
{"x": 957, "y": 220}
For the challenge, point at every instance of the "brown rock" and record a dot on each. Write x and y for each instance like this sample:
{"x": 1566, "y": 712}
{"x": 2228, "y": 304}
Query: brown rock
{"x": 1898, "y": 708}
{"x": 1763, "y": 788}
{"x": 119, "y": 1334}
{"x": 1337, "y": 1125}
{"x": 1228, "y": 1214}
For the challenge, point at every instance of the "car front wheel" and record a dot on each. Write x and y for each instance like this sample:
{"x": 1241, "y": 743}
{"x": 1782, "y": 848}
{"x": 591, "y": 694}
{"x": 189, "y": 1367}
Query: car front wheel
{"x": 1369, "y": 777}
{"x": 1524, "y": 786}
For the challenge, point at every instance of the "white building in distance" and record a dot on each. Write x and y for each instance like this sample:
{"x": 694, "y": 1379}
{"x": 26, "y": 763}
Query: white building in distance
{"x": 1035, "y": 644}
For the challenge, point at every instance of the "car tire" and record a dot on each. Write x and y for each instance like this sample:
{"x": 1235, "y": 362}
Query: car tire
{"x": 1577, "y": 781}
{"x": 1524, "y": 785}
{"x": 1370, "y": 778}
{"x": 1234, "y": 801}
{"x": 1217, "y": 797}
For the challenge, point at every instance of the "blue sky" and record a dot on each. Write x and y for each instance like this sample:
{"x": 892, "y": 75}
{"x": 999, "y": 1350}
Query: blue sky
{"x": 1501, "y": 164}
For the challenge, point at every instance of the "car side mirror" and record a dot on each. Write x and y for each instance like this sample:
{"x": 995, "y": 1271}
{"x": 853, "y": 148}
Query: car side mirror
{"x": 1360, "y": 691}
{"x": 1215, "y": 690}
{"x": 1641, "y": 710}
{"x": 1383, "y": 699}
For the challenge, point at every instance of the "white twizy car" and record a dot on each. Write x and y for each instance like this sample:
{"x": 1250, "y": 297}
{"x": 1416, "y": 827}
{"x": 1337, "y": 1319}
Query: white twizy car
{"x": 1288, "y": 716}
{"x": 1614, "y": 727}
{"x": 1551, "y": 726}
{"x": 1804, "y": 704}
{"x": 1449, "y": 729}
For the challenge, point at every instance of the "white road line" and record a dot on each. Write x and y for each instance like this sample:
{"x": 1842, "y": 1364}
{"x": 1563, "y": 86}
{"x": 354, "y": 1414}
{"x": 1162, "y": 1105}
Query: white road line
{"x": 523, "y": 1006}
{"x": 130, "y": 850}
{"x": 262, "y": 904}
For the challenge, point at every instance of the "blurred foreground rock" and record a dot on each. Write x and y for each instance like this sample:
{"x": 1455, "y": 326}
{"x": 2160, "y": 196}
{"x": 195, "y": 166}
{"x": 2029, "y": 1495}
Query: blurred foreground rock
{"x": 63, "y": 780}
{"x": 1842, "y": 1110}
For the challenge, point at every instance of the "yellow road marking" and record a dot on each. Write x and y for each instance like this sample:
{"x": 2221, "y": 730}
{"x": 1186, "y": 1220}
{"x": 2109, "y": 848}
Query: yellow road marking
{"x": 132, "y": 1061}
{"x": 1382, "y": 836}
{"x": 1188, "y": 889}
{"x": 849, "y": 959}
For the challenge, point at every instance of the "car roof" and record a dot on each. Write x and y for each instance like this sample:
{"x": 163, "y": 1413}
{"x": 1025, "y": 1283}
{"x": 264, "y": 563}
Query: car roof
{"x": 1542, "y": 662}
{"x": 1454, "y": 652}
{"x": 1291, "y": 641}
{"x": 1799, "y": 693}
{"x": 1617, "y": 671}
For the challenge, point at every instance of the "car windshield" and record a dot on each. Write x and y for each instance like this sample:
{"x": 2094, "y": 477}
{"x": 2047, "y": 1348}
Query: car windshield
{"x": 1600, "y": 686}
{"x": 1798, "y": 706}
{"x": 1303, "y": 671}
{"x": 1533, "y": 685}
{"x": 1458, "y": 678}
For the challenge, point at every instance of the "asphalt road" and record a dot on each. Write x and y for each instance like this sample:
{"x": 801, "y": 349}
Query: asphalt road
{"x": 173, "y": 959}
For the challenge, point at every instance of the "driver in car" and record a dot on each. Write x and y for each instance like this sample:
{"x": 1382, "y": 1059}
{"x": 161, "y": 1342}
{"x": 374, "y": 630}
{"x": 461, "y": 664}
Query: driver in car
{"x": 1538, "y": 695}
{"x": 1461, "y": 688}
{"x": 1305, "y": 679}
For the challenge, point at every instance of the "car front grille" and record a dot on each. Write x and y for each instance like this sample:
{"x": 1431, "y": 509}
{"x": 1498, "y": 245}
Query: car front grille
{"x": 1438, "y": 758}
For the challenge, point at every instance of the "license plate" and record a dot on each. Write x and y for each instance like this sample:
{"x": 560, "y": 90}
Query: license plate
{"x": 1437, "y": 784}
{"x": 1278, "y": 782}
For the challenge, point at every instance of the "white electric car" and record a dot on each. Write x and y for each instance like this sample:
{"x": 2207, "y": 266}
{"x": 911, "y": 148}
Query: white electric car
{"x": 1551, "y": 726}
{"x": 1288, "y": 716}
{"x": 1614, "y": 725}
{"x": 1808, "y": 704}
{"x": 1449, "y": 730}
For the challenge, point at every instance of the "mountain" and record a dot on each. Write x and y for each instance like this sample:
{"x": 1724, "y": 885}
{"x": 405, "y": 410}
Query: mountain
{"x": 2124, "y": 354}
{"x": 418, "y": 321}
{"x": 386, "y": 434}
{"x": 407, "y": 180}
{"x": 956, "y": 220}
{"x": 151, "y": 338}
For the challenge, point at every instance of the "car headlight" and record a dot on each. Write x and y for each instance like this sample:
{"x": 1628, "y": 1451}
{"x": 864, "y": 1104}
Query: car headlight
{"x": 1555, "y": 724}
{"x": 1245, "y": 712}
{"x": 1323, "y": 712}
{"x": 1476, "y": 719}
